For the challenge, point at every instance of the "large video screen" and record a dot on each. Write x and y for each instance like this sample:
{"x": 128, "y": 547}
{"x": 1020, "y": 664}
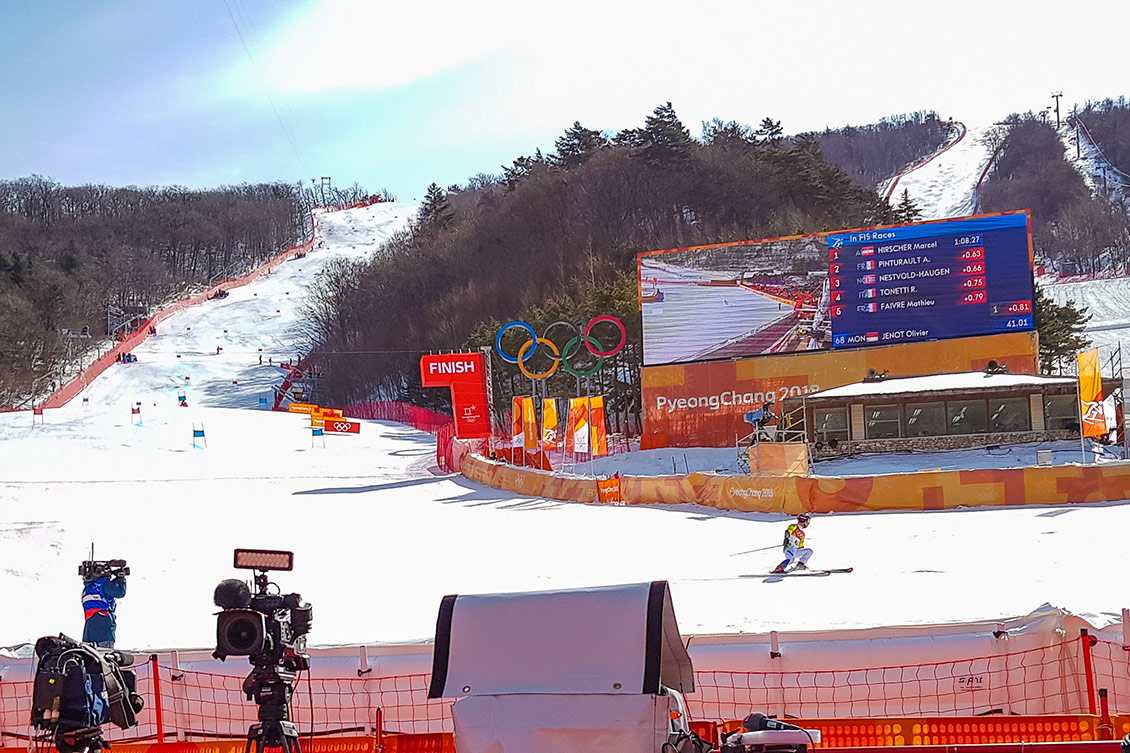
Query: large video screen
{"x": 855, "y": 288}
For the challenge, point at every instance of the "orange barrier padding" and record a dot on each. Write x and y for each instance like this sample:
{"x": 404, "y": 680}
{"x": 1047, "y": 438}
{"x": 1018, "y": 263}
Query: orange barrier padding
{"x": 68, "y": 391}
{"x": 608, "y": 490}
{"x": 779, "y": 458}
{"x": 969, "y": 730}
{"x": 653, "y": 440}
{"x": 528, "y": 481}
{"x": 926, "y": 490}
{"x": 367, "y": 744}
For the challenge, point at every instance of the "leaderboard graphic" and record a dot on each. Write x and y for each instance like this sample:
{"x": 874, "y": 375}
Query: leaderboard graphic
{"x": 937, "y": 280}
{"x": 847, "y": 289}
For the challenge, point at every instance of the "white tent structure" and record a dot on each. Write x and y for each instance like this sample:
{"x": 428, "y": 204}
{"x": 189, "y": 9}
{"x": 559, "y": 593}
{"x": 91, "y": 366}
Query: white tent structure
{"x": 542, "y": 672}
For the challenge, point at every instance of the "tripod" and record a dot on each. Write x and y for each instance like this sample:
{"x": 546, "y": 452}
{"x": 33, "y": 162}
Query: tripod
{"x": 271, "y": 689}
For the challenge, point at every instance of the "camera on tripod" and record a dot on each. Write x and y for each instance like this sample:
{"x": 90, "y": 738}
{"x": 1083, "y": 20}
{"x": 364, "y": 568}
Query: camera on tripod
{"x": 95, "y": 569}
{"x": 77, "y": 689}
{"x": 270, "y": 630}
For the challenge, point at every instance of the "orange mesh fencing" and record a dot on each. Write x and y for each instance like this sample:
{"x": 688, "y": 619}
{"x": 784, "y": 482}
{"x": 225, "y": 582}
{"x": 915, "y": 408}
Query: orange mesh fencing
{"x": 1037, "y": 694}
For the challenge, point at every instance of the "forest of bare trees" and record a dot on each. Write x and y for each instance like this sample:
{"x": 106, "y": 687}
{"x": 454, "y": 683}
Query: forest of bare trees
{"x": 69, "y": 252}
{"x": 873, "y": 153}
{"x": 1073, "y": 229}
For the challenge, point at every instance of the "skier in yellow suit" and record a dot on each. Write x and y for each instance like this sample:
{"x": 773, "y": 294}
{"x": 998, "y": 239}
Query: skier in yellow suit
{"x": 794, "y": 545}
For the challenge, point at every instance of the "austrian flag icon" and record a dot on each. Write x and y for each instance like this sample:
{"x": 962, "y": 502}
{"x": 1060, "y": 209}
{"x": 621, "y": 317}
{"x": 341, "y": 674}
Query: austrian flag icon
{"x": 867, "y": 251}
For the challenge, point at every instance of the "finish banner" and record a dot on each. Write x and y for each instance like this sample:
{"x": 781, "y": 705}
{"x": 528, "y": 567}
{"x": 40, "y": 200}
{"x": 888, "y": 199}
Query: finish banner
{"x": 466, "y": 375}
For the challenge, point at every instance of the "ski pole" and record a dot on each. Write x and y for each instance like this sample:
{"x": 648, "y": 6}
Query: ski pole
{"x": 751, "y": 551}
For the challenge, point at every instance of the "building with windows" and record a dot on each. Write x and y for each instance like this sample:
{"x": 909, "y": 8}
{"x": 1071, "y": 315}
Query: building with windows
{"x": 939, "y": 411}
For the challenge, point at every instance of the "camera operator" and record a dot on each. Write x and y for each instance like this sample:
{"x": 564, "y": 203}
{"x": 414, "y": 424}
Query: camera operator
{"x": 100, "y": 593}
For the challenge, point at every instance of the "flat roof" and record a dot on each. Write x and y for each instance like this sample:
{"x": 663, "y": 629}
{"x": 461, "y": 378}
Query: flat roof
{"x": 968, "y": 380}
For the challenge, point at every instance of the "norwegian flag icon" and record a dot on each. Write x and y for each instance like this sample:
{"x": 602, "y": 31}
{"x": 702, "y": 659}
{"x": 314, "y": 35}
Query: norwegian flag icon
{"x": 871, "y": 308}
{"x": 867, "y": 251}
{"x": 872, "y": 337}
{"x": 867, "y": 293}
{"x": 867, "y": 280}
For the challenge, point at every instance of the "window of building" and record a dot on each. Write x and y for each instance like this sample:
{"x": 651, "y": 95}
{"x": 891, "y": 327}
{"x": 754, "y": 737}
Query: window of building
{"x": 1061, "y": 412}
{"x": 1009, "y": 414}
{"x": 925, "y": 420}
{"x": 831, "y": 423}
{"x": 882, "y": 422}
{"x": 966, "y": 417}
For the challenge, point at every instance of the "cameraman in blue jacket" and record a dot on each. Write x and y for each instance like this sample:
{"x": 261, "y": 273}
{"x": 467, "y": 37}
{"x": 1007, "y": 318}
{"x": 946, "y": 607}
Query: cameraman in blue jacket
{"x": 99, "y": 597}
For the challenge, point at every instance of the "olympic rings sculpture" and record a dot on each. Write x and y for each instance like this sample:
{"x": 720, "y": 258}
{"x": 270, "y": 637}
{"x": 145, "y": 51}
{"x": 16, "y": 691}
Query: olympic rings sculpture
{"x": 560, "y": 356}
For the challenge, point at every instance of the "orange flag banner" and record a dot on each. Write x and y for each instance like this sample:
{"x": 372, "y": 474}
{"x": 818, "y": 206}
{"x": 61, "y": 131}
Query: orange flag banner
{"x": 1091, "y": 394}
{"x": 549, "y": 424}
{"x": 599, "y": 427}
{"x": 577, "y": 430}
{"x": 516, "y": 429}
{"x": 529, "y": 424}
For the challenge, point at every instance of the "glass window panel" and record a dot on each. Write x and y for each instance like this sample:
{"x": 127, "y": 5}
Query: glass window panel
{"x": 925, "y": 420}
{"x": 966, "y": 417}
{"x": 831, "y": 423}
{"x": 882, "y": 422}
{"x": 1009, "y": 414}
{"x": 1061, "y": 412}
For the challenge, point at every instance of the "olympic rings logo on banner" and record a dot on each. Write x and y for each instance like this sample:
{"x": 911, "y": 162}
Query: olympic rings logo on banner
{"x": 560, "y": 356}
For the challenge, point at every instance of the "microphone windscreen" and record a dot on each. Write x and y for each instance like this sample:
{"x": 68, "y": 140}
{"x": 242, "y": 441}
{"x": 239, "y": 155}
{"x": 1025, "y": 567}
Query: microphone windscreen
{"x": 232, "y": 594}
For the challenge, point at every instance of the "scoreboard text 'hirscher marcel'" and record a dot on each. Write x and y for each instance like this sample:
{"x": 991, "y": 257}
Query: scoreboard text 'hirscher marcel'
{"x": 970, "y": 276}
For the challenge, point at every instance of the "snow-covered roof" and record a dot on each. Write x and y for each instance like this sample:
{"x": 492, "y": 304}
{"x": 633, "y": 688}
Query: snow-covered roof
{"x": 970, "y": 380}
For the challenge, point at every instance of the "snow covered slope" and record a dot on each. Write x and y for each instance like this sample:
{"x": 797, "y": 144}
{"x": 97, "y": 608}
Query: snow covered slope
{"x": 944, "y": 186}
{"x": 380, "y": 536}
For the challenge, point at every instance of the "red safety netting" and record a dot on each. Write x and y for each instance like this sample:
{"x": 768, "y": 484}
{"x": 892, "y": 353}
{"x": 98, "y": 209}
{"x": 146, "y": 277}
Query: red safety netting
{"x": 388, "y": 410}
{"x": 1046, "y": 680}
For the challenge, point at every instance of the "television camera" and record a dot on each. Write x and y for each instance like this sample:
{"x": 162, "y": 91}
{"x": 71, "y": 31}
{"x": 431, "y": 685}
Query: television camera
{"x": 94, "y": 569}
{"x": 77, "y": 689}
{"x": 270, "y": 630}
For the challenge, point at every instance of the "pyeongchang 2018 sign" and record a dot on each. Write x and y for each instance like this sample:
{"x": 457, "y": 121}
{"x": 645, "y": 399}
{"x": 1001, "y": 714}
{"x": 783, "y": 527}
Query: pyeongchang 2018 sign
{"x": 466, "y": 375}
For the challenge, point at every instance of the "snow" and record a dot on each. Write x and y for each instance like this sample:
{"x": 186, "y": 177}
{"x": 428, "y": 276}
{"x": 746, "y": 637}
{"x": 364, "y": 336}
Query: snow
{"x": 970, "y": 380}
{"x": 945, "y": 186}
{"x": 380, "y": 535}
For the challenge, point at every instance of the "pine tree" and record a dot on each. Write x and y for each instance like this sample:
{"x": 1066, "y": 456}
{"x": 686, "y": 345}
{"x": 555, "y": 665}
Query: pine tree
{"x": 770, "y": 130}
{"x": 435, "y": 211}
{"x": 666, "y": 140}
{"x": 1060, "y": 328}
{"x": 907, "y": 209}
{"x": 577, "y": 145}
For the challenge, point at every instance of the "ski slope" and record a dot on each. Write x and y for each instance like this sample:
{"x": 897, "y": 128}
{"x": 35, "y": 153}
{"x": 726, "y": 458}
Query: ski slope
{"x": 380, "y": 535}
{"x": 945, "y": 185}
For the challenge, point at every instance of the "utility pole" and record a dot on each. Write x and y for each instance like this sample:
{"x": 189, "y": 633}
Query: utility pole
{"x": 1056, "y": 96}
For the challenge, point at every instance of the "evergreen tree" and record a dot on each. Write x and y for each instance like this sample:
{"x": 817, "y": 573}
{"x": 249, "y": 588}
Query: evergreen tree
{"x": 1060, "y": 329}
{"x": 731, "y": 133}
{"x": 907, "y": 209}
{"x": 665, "y": 139}
{"x": 435, "y": 212}
{"x": 770, "y": 130}
{"x": 522, "y": 167}
{"x": 577, "y": 145}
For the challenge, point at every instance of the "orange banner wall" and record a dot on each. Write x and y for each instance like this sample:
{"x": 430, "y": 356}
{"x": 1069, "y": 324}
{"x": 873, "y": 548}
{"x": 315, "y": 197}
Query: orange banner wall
{"x": 549, "y": 424}
{"x": 529, "y": 424}
{"x": 704, "y": 404}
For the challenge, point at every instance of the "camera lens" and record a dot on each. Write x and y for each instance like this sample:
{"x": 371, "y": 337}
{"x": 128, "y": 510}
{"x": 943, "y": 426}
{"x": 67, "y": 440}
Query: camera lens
{"x": 241, "y": 632}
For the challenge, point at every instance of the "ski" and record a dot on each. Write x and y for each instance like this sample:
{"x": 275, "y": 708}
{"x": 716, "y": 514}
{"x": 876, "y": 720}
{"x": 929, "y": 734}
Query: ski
{"x": 800, "y": 573}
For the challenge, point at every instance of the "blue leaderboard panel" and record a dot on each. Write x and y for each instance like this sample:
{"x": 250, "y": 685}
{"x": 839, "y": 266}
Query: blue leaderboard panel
{"x": 930, "y": 281}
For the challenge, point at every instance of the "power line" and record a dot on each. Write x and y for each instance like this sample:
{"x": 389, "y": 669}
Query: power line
{"x": 266, "y": 91}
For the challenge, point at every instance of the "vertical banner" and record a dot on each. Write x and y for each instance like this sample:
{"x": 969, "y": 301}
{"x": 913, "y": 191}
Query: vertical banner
{"x": 549, "y": 424}
{"x": 577, "y": 438}
{"x": 599, "y": 426}
{"x": 465, "y": 375}
{"x": 529, "y": 424}
{"x": 1091, "y": 394}
{"x": 516, "y": 430}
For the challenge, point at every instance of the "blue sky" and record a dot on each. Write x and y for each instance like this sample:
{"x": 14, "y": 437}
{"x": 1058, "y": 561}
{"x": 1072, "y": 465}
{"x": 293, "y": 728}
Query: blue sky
{"x": 202, "y": 93}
